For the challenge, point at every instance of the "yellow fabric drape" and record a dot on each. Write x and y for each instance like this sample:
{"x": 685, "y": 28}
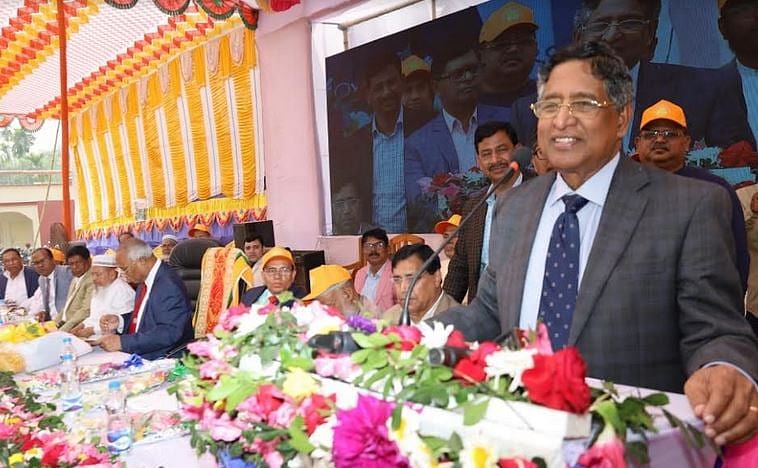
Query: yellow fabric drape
{"x": 154, "y": 128}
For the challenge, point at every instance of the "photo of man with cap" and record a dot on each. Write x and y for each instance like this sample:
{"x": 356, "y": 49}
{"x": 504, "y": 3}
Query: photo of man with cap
{"x": 445, "y": 228}
{"x": 278, "y": 275}
{"x": 333, "y": 286}
{"x": 418, "y": 92}
{"x": 168, "y": 242}
{"x": 663, "y": 141}
{"x": 508, "y": 49}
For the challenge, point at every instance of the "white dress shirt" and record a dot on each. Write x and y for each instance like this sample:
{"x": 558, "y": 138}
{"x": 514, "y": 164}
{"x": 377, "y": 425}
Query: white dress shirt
{"x": 148, "y": 286}
{"x": 15, "y": 288}
{"x": 372, "y": 282}
{"x": 35, "y": 303}
{"x": 462, "y": 140}
{"x": 595, "y": 189}
{"x": 116, "y": 298}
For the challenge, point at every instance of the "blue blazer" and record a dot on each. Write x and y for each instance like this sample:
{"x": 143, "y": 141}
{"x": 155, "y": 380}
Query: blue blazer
{"x": 30, "y": 277}
{"x": 430, "y": 150}
{"x": 166, "y": 321}
{"x": 711, "y": 98}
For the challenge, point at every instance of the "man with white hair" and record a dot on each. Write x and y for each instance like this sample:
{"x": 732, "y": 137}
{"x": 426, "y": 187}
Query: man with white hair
{"x": 161, "y": 320}
{"x": 112, "y": 295}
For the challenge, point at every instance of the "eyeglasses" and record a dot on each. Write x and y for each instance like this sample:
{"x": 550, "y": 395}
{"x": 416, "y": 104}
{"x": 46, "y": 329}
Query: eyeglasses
{"x": 461, "y": 74}
{"x": 281, "y": 271}
{"x": 346, "y": 203}
{"x": 503, "y": 45}
{"x": 652, "y": 135}
{"x": 398, "y": 280}
{"x": 578, "y": 108}
{"x": 627, "y": 26}
{"x": 374, "y": 245}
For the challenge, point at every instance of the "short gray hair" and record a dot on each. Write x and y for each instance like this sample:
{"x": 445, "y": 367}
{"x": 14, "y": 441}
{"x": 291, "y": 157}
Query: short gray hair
{"x": 605, "y": 64}
{"x": 136, "y": 249}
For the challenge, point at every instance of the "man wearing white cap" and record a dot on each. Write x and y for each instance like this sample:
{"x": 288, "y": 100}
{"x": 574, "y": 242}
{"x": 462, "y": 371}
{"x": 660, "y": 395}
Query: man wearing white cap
{"x": 112, "y": 295}
{"x": 168, "y": 242}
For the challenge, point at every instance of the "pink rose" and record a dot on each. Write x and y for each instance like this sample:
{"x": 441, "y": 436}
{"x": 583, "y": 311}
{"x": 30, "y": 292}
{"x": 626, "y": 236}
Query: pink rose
{"x": 409, "y": 336}
{"x": 214, "y": 369}
{"x": 223, "y": 428}
{"x": 606, "y": 452}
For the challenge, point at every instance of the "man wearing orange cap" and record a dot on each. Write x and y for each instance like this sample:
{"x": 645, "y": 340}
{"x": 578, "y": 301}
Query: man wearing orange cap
{"x": 508, "y": 49}
{"x": 663, "y": 141}
{"x": 278, "y": 275}
{"x": 199, "y": 230}
{"x": 333, "y": 286}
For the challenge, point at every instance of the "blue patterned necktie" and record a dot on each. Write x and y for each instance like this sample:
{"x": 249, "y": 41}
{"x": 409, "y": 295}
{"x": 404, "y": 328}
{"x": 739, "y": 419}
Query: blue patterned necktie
{"x": 561, "y": 281}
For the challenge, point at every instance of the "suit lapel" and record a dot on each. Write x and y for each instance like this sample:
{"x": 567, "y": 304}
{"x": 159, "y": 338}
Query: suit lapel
{"x": 520, "y": 234}
{"x": 622, "y": 212}
{"x": 445, "y": 144}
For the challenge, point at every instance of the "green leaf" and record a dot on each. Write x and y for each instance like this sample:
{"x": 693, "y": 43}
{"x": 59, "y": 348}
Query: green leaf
{"x": 455, "y": 442}
{"x": 378, "y": 340}
{"x": 608, "y": 411}
{"x": 376, "y": 360}
{"x": 637, "y": 451}
{"x": 298, "y": 439}
{"x": 397, "y": 413}
{"x": 225, "y": 386}
{"x": 657, "y": 399}
{"x": 238, "y": 396}
{"x": 474, "y": 412}
{"x": 360, "y": 356}
{"x": 377, "y": 376}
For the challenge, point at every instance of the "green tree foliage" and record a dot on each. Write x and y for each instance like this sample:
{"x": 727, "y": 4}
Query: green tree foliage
{"x": 16, "y": 154}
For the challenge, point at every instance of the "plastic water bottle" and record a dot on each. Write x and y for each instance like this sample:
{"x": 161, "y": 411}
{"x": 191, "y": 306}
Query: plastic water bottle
{"x": 119, "y": 432}
{"x": 71, "y": 393}
{"x": 68, "y": 348}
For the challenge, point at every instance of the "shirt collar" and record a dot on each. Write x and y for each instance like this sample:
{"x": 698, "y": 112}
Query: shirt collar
{"x": 450, "y": 121}
{"x": 379, "y": 271}
{"x": 746, "y": 71}
{"x": 594, "y": 189}
{"x": 433, "y": 309}
{"x": 151, "y": 276}
{"x": 398, "y": 125}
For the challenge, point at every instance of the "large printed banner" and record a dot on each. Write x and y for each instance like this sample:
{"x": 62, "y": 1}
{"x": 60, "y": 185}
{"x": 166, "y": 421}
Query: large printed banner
{"x": 403, "y": 110}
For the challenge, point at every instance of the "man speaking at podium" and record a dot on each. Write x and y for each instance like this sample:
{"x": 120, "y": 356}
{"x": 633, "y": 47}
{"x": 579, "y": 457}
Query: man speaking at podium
{"x": 632, "y": 265}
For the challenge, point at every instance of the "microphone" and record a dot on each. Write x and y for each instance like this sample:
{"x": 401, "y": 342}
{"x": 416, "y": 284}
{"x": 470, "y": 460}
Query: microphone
{"x": 336, "y": 342}
{"x": 447, "y": 356}
{"x": 521, "y": 157}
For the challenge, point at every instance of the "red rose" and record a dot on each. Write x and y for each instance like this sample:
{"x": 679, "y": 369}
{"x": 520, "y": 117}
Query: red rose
{"x": 456, "y": 340}
{"x": 52, "y": 455}
{"x": 557, "y": 381}
{"x": 516, "y": 463}
{"x": 409, "y": 336}
{"x": 314, "y": 410}
{"x": 472, "y": 366}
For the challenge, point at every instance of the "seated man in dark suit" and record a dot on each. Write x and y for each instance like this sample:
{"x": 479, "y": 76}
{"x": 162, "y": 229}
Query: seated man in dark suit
{"x": 713, "y": 104}
{"x": 278, "y": 274}
{"x": 17, "y": 283}
{"x": 161, "y": 319}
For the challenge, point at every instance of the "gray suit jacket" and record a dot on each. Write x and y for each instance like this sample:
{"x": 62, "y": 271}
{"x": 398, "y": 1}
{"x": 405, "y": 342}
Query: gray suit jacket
{"x": 660, "y": 295}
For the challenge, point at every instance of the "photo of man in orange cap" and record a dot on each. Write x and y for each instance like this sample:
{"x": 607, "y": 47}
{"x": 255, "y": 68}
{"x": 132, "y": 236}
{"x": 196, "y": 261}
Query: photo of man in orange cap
{"x": 200, "y": 230}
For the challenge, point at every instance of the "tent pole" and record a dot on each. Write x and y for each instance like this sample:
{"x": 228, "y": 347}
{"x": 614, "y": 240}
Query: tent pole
{"x": 64, "y": 120}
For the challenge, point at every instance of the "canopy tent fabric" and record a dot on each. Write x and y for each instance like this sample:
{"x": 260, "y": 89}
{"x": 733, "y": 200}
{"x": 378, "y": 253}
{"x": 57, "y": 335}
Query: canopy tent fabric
{"x": 162, "y": 108}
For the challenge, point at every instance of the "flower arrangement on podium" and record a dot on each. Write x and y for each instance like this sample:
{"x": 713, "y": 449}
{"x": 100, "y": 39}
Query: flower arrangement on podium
{"x": 256, "y": 392}
{"x": 33, "y": 435}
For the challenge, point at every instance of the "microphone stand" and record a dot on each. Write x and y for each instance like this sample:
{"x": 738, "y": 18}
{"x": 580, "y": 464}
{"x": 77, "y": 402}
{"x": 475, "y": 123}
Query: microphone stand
{"x": 405, "y": 317}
